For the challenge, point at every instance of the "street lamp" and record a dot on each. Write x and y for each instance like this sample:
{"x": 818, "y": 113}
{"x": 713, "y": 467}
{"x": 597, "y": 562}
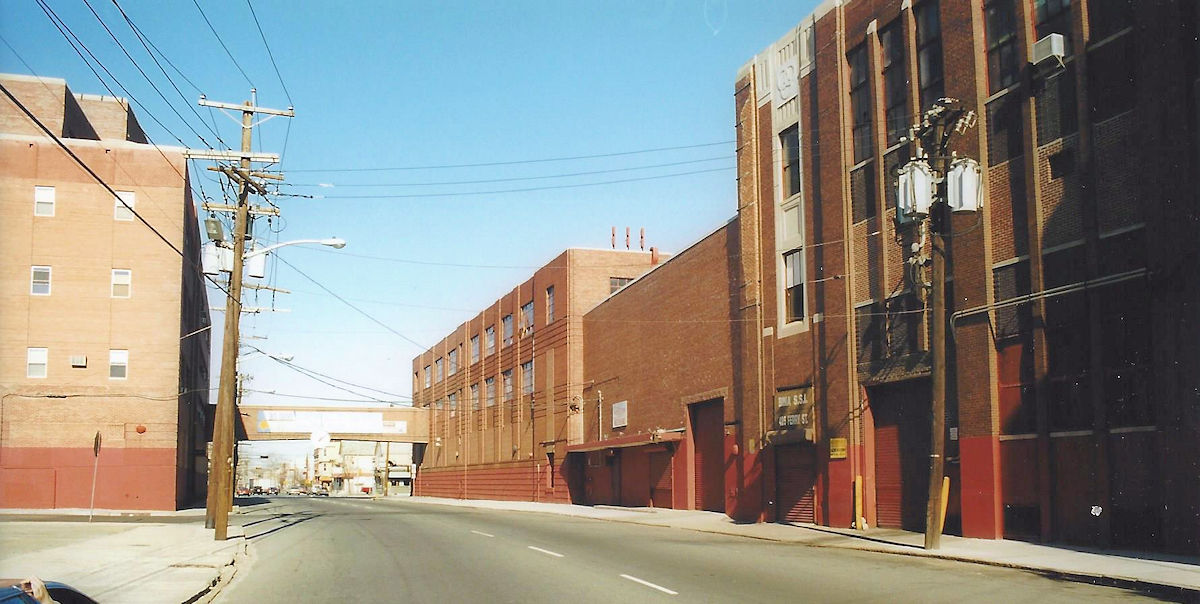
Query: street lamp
{"x": 220, "y": 479}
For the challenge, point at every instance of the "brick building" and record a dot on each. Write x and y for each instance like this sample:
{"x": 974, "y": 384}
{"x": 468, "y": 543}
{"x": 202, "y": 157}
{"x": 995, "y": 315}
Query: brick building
{"x": 102, "y": 325}
{"x": 505, "y": 388}
{"x": 1072, "y": 410}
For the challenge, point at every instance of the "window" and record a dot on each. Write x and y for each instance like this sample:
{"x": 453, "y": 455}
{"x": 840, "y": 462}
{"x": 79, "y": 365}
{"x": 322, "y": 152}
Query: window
{"x": 39, "y": 281}
{"x": 475, "y": 396}
{"x": 508, "y": 330}
{"x": 1004, "y": 66}
{"x": 863, "y": 192}
{"x": 428, "y": 376}
{"x": 491, "y": 339}
{"x": 895, "y": 82}
{"x": 452, "y": 402}
{"x": 1109, "y": 17}
{"x": 118, "y": 364}
{"x": 35, "y": 362}
{"x": 508, "y": 384}
{"x": 1111, "y": 78}
{"x": 789, "y": 144}
{"x": 929, "y": 53}
{"x": 475, "y": 349}
{"x": 793, "y": 269}
{"x": 616, "y": 283}
{"x": 43, "y": 201}
{"x": 860, "y": 104}
{"x": 1054, "y": 17}
{"x": 527, "y": 318}
{"x": 452, "y": 364}
{"x": 527, "y": 377}
{"x": 123, "y": 205}
{"x": 437, "y": 370}
{"x": 550, "y": 304}
{"x": 490, "y": 385}
{"x": 122, "y": 282}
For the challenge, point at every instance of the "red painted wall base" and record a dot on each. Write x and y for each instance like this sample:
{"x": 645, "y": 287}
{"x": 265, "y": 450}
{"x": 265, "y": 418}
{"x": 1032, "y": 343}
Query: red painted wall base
{"x": 48, "y": 478}
{"x": 517, "y": 482}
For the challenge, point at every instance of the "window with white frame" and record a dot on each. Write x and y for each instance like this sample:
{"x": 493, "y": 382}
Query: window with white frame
{"x": 452, "y": 364}
{"x": 550, "y": 304}
{"x": 490, "y": 385}
{"x": 428, "y": 376}
{"x": 508, "y": 330}
{"x": 437, "y": 371}
{"x": 39, "y": 280}
{"x": 475, "y": 396}
{"x": 475, "y": 348}
{"x": 122, "y": 282}
{"x": 36, "y": 360}
{"x": 123, "y": 205}
{"x": 793, "y": 293}
{"x": 490, "y": 332}
{"x": 508, "y": 384}
{"x": 118, "y": 364}
{"x": 43, "y": 201}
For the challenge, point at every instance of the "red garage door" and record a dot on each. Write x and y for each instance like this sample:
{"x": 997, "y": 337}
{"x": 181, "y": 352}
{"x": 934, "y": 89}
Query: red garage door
{"x": 708, "y": 434}
{"x": 660, "y": 479}
{"x": 795, "y": 479}
{"x": 901, "y": 414}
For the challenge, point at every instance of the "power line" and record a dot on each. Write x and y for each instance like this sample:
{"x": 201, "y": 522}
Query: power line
{"x": 527, "y": 189}
{"x": 222, "y": 42}
{"x": 112, "y": 191}
{"x": 347, "y": 303}
{"x": 516, "y": 179}
{"x": 147, "y": 77}
{"x": 516, "y": 162}
{"x": 269, "y": 53}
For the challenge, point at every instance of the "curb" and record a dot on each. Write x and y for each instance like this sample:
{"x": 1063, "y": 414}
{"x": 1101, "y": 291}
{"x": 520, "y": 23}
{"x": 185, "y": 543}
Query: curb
{"x": 224, "y": 576}
{"x": 1183, "y": 592}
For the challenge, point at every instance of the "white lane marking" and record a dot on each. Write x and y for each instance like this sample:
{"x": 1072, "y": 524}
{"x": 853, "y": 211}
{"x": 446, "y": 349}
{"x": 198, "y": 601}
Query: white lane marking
{"x": 482, "y": 533}
{"x": 649, "y": 584}
{"x": 545, "y": 551}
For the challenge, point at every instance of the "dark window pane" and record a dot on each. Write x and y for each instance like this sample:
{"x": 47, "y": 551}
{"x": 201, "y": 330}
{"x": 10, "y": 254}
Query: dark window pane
{"x": 790, "y": 143}
{"x": 1108, "y": 17}
{"x": 862, "y": 192}
{"x": 1111, "y": 81}
{"x": 1056, "y": 113}
{"x": 1004, "y": 129}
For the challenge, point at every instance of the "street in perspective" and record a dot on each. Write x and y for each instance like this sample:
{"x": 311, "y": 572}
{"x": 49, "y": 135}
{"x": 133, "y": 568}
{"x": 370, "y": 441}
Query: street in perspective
{"x": 829, "y": 300}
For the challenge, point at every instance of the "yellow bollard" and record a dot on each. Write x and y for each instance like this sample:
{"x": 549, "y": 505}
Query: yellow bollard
{"x": 945, "y": 502}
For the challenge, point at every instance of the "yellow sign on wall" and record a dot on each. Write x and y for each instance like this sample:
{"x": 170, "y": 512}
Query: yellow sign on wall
{"x": 837, "y": 448}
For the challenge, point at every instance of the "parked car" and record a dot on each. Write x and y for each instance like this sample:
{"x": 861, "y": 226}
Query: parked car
{"x": 13, "y": 591}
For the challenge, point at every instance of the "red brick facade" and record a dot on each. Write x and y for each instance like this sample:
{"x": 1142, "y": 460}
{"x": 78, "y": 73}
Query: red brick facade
{"x": 791, "y": 346}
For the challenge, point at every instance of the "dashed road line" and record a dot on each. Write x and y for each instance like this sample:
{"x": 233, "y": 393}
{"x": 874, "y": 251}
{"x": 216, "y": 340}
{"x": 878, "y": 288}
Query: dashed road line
{"x": 650, "y": 585}
{"x": 546, "y": 551}
{"x": 483, "y": 533}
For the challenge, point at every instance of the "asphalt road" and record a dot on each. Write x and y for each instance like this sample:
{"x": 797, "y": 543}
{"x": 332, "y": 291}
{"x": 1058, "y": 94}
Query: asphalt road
{"x": 321, "y": 549}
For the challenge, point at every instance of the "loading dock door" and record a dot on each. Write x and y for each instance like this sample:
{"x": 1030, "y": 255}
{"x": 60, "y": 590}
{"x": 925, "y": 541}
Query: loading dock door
{"x": 660, "y": 479}
{"x": 796, "y": 477}
{"x": 708, "y": 436}
{"x": 901, "y": 414}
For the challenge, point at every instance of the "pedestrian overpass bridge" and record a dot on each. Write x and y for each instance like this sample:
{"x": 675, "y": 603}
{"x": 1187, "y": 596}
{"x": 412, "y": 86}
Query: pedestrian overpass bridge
{"x": 381, "y": 424}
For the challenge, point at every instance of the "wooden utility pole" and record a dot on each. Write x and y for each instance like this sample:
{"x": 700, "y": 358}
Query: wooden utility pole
{"x": 938, "y": 219}
{"x": 220, "y": 479}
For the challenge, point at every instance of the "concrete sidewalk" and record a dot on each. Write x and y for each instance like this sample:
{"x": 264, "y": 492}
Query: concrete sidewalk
{"x": 130, "y": 556}
{"x": 1169, "y": 575}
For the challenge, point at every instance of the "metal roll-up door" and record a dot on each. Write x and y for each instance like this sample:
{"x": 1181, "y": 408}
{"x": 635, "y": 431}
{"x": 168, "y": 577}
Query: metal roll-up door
{"x": 660, "y": 479}
{"x": 796, "y": 477}
{"x": 901, "y": 413}
{"x": 709, "y": 433}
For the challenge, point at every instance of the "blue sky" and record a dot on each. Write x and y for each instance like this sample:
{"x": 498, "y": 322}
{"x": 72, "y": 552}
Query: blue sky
{"x": 422, "y": 86}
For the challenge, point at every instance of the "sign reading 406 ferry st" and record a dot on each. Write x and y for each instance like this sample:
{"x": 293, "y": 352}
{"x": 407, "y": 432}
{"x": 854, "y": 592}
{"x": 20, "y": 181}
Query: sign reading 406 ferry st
{"x": 794, "y": 409}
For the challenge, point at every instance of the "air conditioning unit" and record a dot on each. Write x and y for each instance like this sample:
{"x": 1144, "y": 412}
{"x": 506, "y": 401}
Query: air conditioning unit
{"x": 1050, "y": 47}
{"x": 79, "y": 360}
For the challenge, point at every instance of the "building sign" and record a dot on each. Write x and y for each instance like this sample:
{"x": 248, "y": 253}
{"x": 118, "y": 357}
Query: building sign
{"x": 620, "y": 414}
{"x": 794, "y": 409}
{"x": 837, "y": 448}
{"x": 328, "y": 422}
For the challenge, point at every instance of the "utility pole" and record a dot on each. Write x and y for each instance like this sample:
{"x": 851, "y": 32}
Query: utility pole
{"x": 220, "y": 479}
{"x": 933, "y": 184}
